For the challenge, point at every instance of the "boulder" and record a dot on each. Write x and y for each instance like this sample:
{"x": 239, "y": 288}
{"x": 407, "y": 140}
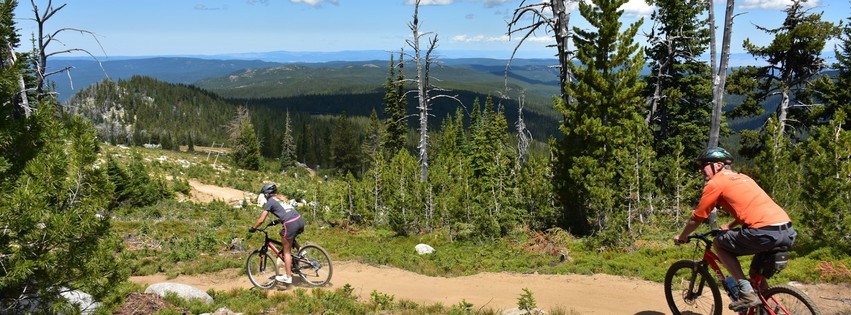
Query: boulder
{"x": 222, "y": 311}
{"x": 183, "y": 291}
{"x": 82, "y": 299}
{"x": 423, "y": 249}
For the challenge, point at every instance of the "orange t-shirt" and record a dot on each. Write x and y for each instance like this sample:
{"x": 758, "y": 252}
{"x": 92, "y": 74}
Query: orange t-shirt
{"x": 742, "y": 198}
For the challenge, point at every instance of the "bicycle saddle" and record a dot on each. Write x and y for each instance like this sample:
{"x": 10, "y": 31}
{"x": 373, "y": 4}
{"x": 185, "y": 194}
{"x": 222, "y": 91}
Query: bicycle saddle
{"x": 783, "y": 248}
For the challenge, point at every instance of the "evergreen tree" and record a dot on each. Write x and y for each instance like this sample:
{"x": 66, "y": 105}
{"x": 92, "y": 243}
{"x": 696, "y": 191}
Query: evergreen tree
{"x": 394, "y": 107}
{"x": 345, "y": 149}
{"x": 601, "y": 160}
{"x": 134, "y": 185}
{"x": 827, "y": 185}
{"x": 794, "y": 59}
{"x": 403, "y": 191}
{"x": 372, "y": 141}
{"x": 679, "y": 85}
{"x": 834, "y": 92}
{"x": 53, "y": 199}
{"x": 679, "y": 89}
{"x": 245, "y": 148}
{"x": 491, "y": 162}
{"x": 190, "y": 143}
{"x": 288, "y": 146}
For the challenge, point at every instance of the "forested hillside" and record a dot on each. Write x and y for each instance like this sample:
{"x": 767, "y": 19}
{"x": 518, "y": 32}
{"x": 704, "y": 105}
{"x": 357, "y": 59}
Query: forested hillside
{"x": 144, "y": 110}
{"x": 482, "y": 76}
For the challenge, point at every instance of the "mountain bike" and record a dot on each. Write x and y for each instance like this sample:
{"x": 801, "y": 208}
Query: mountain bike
{"x": 690, "y": 288}
{"x": 310, "y": 262}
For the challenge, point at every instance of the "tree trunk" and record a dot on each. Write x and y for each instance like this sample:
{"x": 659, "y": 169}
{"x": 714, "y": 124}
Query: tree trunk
{"x": 721, "y": 74}
{"x": 561, "y": 11}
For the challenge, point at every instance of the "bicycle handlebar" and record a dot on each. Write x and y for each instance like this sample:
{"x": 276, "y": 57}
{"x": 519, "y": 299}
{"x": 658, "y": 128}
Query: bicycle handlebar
{"x": 273, "y": 223}
{"x": 705, "y": 236}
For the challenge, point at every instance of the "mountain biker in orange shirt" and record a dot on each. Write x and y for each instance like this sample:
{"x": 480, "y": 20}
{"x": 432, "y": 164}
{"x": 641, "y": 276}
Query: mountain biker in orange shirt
{"x": 765, "y": 225}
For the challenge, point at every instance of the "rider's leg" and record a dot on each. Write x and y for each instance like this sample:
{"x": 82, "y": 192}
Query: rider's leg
{"x": 730, "y": 261}
{"x": 747, "y": 296}
{"x": 288, "y": 257}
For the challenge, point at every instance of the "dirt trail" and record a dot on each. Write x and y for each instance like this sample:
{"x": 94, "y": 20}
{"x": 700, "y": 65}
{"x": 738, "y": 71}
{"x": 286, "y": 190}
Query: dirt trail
{"x": 584, "y": 294}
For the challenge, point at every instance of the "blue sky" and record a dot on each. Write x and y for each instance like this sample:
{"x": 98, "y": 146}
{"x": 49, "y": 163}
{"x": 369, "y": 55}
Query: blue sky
{"x": 208, "y": 27}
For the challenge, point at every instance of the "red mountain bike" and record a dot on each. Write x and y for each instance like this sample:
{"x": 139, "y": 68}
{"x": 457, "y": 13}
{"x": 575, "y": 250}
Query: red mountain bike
{"x": 690, "y": 288}
{"x": 310, "y": 262}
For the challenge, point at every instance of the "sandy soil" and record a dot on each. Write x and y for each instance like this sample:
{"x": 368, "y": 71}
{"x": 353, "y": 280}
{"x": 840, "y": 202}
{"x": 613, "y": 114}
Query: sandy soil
{"x": 204, "y": 193}
{"x": 584, "y": 294}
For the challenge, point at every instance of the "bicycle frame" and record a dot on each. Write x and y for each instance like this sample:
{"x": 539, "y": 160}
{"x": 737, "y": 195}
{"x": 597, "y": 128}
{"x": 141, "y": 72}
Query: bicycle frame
{"x": 710, "y": 259}
{"x": 269, "y": 243}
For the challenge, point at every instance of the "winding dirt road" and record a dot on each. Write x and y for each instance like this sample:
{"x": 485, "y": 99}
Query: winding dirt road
{"x": 583, "y": 294}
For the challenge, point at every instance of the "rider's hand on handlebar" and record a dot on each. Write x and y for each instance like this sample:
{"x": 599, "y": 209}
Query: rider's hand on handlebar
{"x": 252, "y": 229}
{"x": 679, "y": 241}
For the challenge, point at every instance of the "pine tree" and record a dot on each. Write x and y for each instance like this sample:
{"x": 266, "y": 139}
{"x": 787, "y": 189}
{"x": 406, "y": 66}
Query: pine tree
{"x": 679, "y": 89}
{"x": 373, "y": 139}
{"x": 679, "y": 85}
{"x": 245, "y": 148}
{"x": 345, "y": 148}
{"x": 599, "y": 162}
{"x": 403, "y": 193}
{"x": 827, "y": 185}
{"x": 834, "y": 92}
{"x": 190, "y": 143}
{"x": 491, "y": 162}
{"x": 394, "y": 107}
{"x": 53, "y": 199}
{"x": 288, "y": 146}
{"x": 794, "y": 59}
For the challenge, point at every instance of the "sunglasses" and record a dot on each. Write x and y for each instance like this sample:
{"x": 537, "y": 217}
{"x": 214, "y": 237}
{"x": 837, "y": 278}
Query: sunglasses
{"x": 700, "y": 166}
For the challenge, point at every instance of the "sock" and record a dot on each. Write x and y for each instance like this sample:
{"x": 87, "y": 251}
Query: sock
{"x": 745, "y": 285}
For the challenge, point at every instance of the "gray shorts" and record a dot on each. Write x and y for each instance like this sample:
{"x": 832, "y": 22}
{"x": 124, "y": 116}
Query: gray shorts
{"x": 745, "y": 241}
{"x": 293, "y": 228}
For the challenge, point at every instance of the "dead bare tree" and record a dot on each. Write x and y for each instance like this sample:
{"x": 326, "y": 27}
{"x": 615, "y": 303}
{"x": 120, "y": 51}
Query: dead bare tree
{"x": 558, "y": 23}
{"x": 719, "y": 73}
{"x": 43, "y": 41}
{"x": 424, "y": 87}
{"x": 524, "y": 137}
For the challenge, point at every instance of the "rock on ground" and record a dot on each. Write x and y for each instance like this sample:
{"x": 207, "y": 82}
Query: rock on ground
{"x": 182, "y": 290}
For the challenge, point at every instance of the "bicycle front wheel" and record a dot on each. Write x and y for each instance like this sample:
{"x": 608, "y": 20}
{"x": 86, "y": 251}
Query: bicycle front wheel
{"x": 261, "y": 269}
{"x": 314, "y": 265}
{"x": 785, "y": 300}
{"x": 690, "y": 289}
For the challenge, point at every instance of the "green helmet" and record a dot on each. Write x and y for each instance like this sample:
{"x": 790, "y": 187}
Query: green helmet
{"x": 716, "y": 154}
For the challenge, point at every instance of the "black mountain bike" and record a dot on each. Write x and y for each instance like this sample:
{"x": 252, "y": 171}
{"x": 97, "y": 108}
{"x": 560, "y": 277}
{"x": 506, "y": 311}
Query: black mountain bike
{"x": 310, "y": 262}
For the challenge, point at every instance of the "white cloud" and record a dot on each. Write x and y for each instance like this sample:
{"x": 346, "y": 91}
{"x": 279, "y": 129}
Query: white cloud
{"x": 432, "y": 2}
{"x": 490, "y": 39}
{"x": 633, "y": 8}
{"x": 479, "y": 38}
{"x": 314, "y": 3}
{"x": 771, "y": 4}
{"x": 636, "y": 8}
{"x": 493, "y": 3}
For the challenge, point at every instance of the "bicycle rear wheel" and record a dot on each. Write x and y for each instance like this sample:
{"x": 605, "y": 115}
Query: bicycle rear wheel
{"x": 690, "y": 289}
{"x": 785, "y": 300}
{"x": 261, "y": 269}
{"x": 313, "y": 265}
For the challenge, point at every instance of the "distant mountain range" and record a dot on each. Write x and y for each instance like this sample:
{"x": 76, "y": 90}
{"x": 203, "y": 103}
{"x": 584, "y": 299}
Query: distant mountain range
{"x": 285, "y": 74}
{"x": 189, "y": 69}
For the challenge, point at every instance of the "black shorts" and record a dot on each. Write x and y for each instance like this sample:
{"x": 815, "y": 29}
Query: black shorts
{"x": 292, "y": 228}
{"x": 746, "y": 241}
